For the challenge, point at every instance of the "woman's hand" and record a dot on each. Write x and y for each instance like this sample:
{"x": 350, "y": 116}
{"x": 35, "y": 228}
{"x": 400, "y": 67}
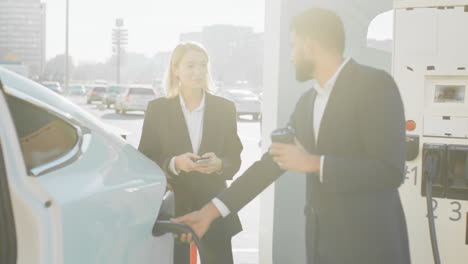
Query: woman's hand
{"x": 185, "y": 163}
{"x": 215, "y": 164}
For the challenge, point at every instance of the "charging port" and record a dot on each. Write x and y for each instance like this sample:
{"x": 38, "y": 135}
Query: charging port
{"x": 434, "y": 157}
{"x": 457, "y": 172}
{"x": 412, "y": 147}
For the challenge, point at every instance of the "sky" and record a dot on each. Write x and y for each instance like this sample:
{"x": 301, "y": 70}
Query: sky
{"x": 381, "y": 27}
{"x": 153, "y": 25}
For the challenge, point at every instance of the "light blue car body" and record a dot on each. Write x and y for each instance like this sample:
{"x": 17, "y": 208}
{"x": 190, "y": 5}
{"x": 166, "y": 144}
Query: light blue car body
{"x": 109, "y": 198}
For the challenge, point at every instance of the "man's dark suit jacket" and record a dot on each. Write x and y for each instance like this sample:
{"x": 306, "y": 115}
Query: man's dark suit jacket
{"x": 355, "y": 215}
{"x": 165, "y": 135}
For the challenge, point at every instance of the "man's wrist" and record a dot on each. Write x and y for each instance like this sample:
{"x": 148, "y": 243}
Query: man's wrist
{"x": 176, "y": 163}
{"x": 314, "y": 164}
{"x": 210, "y": 211}
{"x": 173, "y": 167}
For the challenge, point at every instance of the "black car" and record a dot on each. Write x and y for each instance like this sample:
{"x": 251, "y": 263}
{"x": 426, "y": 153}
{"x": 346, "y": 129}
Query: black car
{"x": 96, "y": 93}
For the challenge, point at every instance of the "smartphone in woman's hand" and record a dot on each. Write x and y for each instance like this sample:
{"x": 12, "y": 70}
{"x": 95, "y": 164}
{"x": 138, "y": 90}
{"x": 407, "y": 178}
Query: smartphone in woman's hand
{"x": 201, "y": 160}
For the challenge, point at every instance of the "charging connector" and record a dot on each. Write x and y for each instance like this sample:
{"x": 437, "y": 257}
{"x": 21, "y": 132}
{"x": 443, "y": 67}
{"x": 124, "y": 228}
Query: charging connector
{"x": 431, "y": 170}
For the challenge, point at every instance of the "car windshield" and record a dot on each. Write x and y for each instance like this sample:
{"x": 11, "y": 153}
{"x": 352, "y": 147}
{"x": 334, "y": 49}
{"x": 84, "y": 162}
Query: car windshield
{"x": 142, "y": 91}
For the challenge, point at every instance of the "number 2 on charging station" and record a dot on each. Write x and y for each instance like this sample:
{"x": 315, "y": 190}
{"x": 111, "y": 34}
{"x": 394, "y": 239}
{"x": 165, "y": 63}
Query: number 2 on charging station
{"x": 455, "y": 210}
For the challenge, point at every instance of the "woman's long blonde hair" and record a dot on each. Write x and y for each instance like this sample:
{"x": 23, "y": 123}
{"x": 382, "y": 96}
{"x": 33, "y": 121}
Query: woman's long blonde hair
{"x": 171, "y": 81}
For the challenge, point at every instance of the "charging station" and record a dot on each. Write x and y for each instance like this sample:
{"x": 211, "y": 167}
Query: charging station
{"x": 430, "y": 66}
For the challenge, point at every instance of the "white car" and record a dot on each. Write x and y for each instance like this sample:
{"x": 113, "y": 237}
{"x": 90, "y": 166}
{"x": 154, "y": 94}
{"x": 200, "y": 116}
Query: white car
{"x": 247, "y": 102}
{"x": 76, "y": 89}
{"x": 134, "y": 98}
{"x": 71, "y": 191}
{"x": 54, "y": 86}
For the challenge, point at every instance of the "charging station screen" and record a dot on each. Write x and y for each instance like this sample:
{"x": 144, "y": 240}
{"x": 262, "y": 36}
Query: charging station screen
{"x": 449, "y": 94}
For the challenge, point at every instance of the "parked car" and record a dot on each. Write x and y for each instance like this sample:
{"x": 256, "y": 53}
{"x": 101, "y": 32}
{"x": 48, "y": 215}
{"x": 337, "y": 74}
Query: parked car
{"x": 88, "y": 87}
{"x": 54, "y": 86}
{"x": 134, "y": 98}
{"x": 96, "y": 93}
{"x": 102, "y": 82}
{"x": 71, "y": 190}
{"x": 111, "y": 94}
{"x": 158, "y": 87}
{"x": 247, "y": 102}
{"x": 76, "y": 89}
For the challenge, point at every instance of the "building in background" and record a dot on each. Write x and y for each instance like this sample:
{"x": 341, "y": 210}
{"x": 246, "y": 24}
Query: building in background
{"x": 22, "y": 34}
{"x": 17, "y": 67}
{"x": 236, "y": 53}
{"x": 191, "y": 36}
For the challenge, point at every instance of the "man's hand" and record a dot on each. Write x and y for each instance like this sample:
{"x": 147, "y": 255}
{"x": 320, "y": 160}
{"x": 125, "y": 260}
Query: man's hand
{"x": 185, "y": 163}
{"x": 294, "y": 157}
{"x": 199, "y": 221}
{"x": 215, "y": 164}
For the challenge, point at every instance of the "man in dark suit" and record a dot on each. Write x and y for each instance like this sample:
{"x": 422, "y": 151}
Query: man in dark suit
{"x": 349, "y": 142}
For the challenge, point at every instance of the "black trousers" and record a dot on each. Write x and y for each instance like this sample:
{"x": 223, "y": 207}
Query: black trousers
{"x": 310, "y": 236}
{"x": 217, "y": 250}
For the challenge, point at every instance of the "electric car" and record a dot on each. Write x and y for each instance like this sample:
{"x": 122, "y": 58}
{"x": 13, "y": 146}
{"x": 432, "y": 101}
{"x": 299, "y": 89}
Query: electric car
{"x": 71, "y": 190}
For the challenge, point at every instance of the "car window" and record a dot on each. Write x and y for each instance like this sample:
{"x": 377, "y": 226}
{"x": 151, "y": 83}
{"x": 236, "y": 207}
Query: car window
{"x": 115, "y": 89}
{"x": 43, "y": 136}
{"x": 100, "y": 89}
{"x": 242, "y": 94}
{"x": 142, "y": 91}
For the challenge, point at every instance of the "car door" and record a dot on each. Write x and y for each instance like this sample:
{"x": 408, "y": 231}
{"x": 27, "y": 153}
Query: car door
{"x": 78, "y": 195}
{"x": 8, "y": 252}
{"x": 34, "y": 229}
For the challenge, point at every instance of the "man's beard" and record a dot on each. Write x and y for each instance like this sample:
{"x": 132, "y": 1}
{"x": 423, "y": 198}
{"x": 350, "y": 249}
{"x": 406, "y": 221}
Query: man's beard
{"x": 304, "y": 70}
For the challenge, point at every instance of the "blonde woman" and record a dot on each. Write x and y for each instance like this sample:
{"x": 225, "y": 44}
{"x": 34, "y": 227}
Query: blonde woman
{"x": 192, "y": 135}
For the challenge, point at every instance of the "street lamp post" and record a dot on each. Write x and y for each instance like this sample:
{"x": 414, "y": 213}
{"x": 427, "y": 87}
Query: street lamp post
{"x": 67, "y": 63}
{"x": 119, "y": 40}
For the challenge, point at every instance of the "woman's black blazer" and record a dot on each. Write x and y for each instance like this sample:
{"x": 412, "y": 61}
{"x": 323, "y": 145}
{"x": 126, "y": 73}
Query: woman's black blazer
{"x": 165, "y": 135}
